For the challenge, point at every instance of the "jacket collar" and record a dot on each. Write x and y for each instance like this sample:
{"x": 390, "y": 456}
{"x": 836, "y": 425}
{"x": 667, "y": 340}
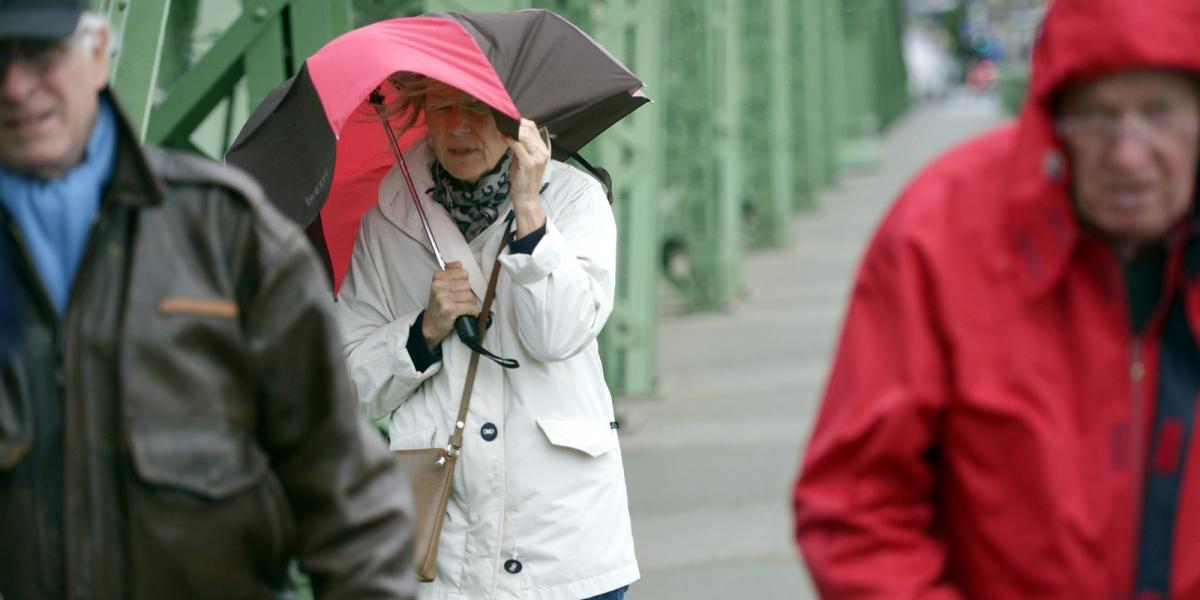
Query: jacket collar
{"x": 133, "y": 181}
{"x": 397, "y": 207}
{"x": 1042, "y": 227}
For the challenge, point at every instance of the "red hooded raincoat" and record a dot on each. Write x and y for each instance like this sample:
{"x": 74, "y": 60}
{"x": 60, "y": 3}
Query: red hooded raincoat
{"x": 990, "y": 419}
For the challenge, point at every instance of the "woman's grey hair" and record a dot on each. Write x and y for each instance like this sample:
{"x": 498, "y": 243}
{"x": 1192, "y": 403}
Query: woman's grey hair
{"x": 413, "y": 99}
{"x": 410, "y": 102}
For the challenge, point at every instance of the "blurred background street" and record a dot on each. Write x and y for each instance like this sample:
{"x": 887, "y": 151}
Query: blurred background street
{"x": 711, "y": 457}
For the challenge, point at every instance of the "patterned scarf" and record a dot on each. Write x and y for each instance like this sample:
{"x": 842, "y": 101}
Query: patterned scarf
{"x": 473, "y": 206}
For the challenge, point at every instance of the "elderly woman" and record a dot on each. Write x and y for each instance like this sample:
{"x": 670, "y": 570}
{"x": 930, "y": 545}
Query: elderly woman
{"x": 539, "y": 507}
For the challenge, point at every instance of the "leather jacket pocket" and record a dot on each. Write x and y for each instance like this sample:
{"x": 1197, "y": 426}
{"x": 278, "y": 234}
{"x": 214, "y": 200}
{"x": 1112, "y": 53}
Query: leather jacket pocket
{"x": 592, "y": 437}
{"x": 208, "y": 459}
{"x": 205, "y": 511}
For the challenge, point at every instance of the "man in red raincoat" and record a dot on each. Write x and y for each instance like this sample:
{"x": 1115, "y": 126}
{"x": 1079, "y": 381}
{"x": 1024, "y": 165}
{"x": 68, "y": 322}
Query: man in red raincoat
{"x": 1013, "y": 407}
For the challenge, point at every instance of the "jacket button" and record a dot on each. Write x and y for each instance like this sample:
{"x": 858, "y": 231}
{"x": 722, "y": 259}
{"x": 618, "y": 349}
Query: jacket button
{"x": 512, "y": 565}
{"x": 489, "y": 432}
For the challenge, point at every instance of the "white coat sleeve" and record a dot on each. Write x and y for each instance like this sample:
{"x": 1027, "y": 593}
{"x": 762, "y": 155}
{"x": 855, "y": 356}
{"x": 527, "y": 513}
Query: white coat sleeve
{"x": 562, "y": 293}
{"x": 375, "y": 335}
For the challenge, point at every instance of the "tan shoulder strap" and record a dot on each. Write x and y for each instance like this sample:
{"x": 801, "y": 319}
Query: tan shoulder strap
{"x": 456, "y": 438}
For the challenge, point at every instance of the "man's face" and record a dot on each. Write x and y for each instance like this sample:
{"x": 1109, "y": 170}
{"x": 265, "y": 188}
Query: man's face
{"x": 1133, "y": 141}
{"x": 462, "y": 133}
{"x": 48, "y": 102}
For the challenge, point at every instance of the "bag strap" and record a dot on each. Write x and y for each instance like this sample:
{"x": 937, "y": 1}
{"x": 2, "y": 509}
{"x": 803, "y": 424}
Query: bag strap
{"x": 456, "y": 438}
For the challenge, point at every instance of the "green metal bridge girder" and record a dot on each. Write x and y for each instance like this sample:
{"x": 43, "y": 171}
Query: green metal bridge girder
{"x": 809, "y": 120}
{"x": 766, "y": 137}
{"x": 758, "y": 105}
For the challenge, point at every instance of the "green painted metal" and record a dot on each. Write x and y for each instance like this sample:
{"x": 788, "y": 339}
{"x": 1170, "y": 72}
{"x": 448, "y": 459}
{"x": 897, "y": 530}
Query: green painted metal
{"x": 702, "y": 171}
{"x": 632, "y": 152}
{"x": 834, "y": 85}
{"x": 782, "y": 146}
{"x": 891, "y": 97}
{"x": 766, "y": 128}
{"x": 138, "y": 30}
{"x": 860, "y": 146}
{"x": 809, "y": 117}
{"x": 476, "y": 5}
{"x": 210, "y": 80}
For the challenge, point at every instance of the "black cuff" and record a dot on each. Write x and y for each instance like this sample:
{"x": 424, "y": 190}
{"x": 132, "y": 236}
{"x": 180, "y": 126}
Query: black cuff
{"x": 526, "y": 244}
{"x": 421, "y": 357}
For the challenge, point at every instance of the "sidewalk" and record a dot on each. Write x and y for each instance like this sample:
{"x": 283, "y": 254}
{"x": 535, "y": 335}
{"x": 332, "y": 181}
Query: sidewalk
{"x": 710, "y": 461}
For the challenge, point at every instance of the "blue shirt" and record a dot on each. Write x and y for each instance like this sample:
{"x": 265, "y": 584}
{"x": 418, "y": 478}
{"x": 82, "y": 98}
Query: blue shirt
{"x": 55, "y": 217}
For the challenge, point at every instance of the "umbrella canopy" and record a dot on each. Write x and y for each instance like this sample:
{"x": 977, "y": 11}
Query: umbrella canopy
{"x": 318, "y": 147}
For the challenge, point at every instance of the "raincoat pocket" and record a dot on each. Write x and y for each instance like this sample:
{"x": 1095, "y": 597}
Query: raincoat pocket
{"x": 592, "y": 437}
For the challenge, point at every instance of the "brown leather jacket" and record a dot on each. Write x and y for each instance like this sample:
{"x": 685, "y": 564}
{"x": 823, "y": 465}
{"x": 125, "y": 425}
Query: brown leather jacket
{"x": 188, "y": 427}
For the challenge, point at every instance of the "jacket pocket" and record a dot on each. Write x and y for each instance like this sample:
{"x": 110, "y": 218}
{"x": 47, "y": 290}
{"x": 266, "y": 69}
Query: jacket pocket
{"x": 591, "y": 437}
{"x": 205, "y": 458}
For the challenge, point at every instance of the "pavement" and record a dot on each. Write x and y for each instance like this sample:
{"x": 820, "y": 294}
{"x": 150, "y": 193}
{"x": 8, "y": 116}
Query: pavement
{"x": 710, "y": 458}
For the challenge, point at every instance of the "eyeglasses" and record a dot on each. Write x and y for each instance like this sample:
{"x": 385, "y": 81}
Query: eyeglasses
{"x": 466, "y": 104}
{"x": 1156, "y": 123}
{"x": 34, "y": 56}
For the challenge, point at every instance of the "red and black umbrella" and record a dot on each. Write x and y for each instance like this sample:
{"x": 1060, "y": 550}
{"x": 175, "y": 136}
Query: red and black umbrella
{"x": 317, "y": 145}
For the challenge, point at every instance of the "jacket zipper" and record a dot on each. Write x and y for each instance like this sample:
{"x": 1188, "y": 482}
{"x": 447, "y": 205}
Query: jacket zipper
{"x": 1137, "y": 376}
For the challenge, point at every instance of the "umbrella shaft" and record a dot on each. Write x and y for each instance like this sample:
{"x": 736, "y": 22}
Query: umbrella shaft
{"x": 412, "y": 191}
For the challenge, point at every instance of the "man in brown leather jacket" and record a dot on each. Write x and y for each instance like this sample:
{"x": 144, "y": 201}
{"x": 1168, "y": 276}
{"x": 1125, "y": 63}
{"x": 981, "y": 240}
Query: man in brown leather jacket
{"x": 175, "y": 417}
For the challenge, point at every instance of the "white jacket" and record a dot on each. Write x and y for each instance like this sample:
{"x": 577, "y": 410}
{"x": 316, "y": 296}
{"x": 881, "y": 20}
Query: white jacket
{"x": 549, "y": 490}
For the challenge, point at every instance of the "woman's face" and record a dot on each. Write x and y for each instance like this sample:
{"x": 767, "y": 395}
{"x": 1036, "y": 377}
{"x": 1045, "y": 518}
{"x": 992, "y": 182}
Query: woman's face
{"x": 462, "y": 133}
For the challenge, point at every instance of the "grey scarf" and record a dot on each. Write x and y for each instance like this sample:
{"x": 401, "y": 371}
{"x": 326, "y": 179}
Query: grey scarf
{"x": 473, "y": 206}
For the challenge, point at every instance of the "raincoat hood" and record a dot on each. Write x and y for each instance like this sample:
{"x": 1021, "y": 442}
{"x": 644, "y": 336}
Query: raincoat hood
{"x": 1081, "y": 40}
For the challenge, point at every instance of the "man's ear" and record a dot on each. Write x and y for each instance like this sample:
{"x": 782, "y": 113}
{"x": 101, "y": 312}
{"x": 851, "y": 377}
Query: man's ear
{"x": 98, "y": 54}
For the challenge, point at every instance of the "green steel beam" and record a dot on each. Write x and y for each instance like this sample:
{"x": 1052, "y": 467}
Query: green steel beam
{"x": 702, "y": 171}
{"x": 834, "y": 83}
{"x": 766, "y": 127}
{"x": 633, "y": 31}
{"x": 194, "y": 96}
{"x": 137, "y": 33}
{"x": 264, "y": 63}
{"x": 810, "y": 120}
{"x": 312, "y": 23}
{"x": 860, "y": 146}
{"x": 783, "y": 155}
{"x": 725, "y": 27}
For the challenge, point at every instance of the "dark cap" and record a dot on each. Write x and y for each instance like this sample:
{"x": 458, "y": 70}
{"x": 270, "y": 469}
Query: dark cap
{"x": 39, "y": 19}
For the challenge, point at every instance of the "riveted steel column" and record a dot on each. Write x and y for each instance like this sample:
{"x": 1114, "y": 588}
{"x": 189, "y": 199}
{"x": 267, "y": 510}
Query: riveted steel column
{"x": 137, "y": 29}
{"x": 702, "y": 170}
{"x": 860, "y": 148}
{"x": 834, "y": 84}
{"x": 809, "y": 118}
{"x": 889, "y": 55}
{"x": 632, "y": 150}
{"x": 725, "y": 28}
{"x": 767, "y": 151}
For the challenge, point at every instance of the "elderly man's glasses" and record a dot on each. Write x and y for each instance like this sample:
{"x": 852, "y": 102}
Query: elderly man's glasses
{"x": 1155, "y": 123}
{"x": 34, "y": 56}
